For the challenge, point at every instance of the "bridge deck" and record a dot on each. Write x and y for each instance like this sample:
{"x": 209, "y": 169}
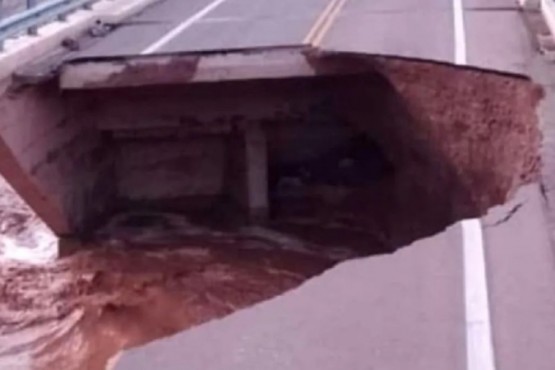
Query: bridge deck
{"x": 493, "y": 33}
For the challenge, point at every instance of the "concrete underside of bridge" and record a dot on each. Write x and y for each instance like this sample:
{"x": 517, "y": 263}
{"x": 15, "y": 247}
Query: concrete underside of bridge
{"x": 397, "y": 149}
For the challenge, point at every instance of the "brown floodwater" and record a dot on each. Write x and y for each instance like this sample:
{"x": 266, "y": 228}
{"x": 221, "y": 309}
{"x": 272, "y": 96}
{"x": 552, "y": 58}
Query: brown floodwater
{"x": 144, "y": 277}
{"x": 147, "y": 275}
{"x": 77, "y": 312}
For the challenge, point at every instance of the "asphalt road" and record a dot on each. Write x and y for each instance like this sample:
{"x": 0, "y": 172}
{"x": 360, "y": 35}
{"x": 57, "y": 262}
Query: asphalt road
{"x": 232, "y": 24}
{"x": 409, "y": 310}
{"x": 495, "y": 36}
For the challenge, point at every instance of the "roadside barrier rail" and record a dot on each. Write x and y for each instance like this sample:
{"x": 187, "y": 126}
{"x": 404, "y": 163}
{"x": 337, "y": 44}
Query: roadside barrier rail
{"x": 35, "y": 14}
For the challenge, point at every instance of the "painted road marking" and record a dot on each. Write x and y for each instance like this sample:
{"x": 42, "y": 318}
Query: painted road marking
{"x": 329, "y": 21}
{"x": 479, "y": 346}
{"x": 479, "y": 341}
{"x": 324, "y": 22}
{"x": 319, "y": 22}
{"x": 460, "y": 35}
{"x": 181, "y": 27}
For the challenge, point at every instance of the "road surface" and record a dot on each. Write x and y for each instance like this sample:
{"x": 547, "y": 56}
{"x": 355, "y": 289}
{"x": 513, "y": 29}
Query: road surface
{"x": 428, "y": 307}
{"x": 493, "y": 33}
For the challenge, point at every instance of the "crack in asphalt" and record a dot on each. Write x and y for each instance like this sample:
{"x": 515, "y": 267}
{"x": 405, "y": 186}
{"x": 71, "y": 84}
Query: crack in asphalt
{"x": 544, "y": 192}
{"x": 507, "y": 217}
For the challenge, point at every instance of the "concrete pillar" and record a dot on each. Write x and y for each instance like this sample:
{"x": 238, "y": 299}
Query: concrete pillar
{"x": 247, "y": 173}
{"x": 256, "y": 159}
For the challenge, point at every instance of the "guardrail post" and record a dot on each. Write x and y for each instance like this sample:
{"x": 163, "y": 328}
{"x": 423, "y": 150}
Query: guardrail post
{"x": 33, "y": 29}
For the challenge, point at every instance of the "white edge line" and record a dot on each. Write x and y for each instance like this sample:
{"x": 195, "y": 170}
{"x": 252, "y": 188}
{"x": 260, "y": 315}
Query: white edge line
{"x": 479, "y": 351}
{"x": 460, "y": 38}
{"x": 479, "y": 341}
{"x": 181, "y": 27}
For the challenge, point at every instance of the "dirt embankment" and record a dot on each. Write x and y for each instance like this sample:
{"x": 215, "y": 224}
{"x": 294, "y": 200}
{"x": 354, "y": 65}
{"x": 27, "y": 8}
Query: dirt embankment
{"x": 458, "y": 142}
{"x": 481, "y": 132}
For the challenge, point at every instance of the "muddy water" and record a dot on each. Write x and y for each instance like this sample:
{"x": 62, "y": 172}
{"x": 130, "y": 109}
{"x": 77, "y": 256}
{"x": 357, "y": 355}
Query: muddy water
{"x": 77, "y": 312}
{"x": 153, "y": 276}
{"x": 148, "y": 275}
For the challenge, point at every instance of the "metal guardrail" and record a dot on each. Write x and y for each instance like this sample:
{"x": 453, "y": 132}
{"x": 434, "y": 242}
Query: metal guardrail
{"x": 37, "y": 14}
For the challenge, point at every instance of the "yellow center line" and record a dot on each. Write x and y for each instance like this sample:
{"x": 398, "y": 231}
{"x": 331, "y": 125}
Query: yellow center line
{"x": 317, "y": 40}
{"x": 320, "y": 22}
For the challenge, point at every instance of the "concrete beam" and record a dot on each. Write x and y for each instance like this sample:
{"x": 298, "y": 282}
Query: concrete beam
{"x": 214, "y": 66}
{"x": 185, "y": 68}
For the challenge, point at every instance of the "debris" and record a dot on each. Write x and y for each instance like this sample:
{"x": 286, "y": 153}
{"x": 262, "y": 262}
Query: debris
{"x": 71, "y": 44}
{"x": 100, "y": 29}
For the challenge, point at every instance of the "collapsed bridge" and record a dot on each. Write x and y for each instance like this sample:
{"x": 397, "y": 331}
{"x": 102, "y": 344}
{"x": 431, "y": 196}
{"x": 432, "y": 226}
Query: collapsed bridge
{"x": 266, "y": 135}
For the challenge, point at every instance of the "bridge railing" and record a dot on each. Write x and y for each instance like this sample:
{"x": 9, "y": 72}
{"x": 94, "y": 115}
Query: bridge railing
{"x": 25, "y": 16}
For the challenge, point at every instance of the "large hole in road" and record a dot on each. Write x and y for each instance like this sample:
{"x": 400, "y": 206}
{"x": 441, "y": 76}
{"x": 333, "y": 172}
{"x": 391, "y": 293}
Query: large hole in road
{"x": 353, "y": 165}
{"x": 362, "y": 161}
{"x": 403, "y": 153}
